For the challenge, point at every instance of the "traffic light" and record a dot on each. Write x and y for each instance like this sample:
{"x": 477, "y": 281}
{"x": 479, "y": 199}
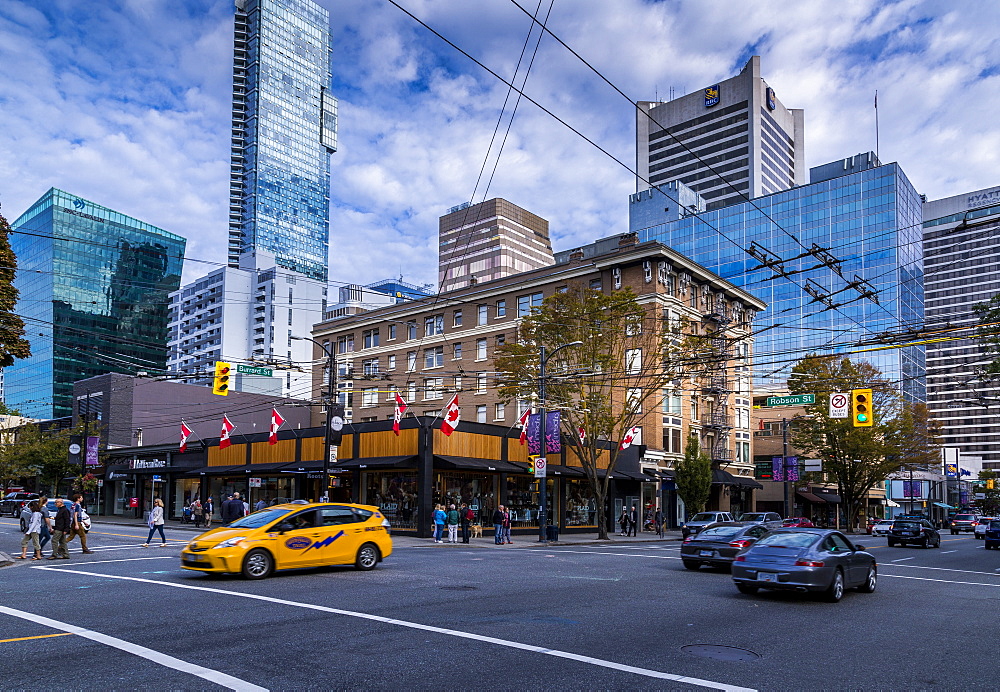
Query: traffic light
{"x": 990, "y": 484}
{"x": 861, "y": 407}
{"x": 220, "y": 385}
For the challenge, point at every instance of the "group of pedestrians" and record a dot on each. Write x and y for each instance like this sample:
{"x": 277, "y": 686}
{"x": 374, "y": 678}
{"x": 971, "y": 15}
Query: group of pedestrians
{"x": 454, "y": 518}
{"x": 501, "y": 526}
{"x": 629, "y": 521}
{"x": 39, "y": 527}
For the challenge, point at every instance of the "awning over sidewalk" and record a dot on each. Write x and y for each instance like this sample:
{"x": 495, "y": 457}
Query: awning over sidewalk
{"x": 473, "y": 464}
{"x": 746, "y": 482}
{"x": 809, "y": 497}
{"x": 942, "y": 505}
{"x": 890, "y": 503}
{"x": 409, "y": 461}
{"x": 722, "y": 477}
{"x": 832, "y": 498}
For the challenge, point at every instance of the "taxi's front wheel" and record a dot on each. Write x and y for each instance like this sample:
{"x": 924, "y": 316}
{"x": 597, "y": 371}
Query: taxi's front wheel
{"x": 258, "y": 564}
{"x": 367, "y": 557}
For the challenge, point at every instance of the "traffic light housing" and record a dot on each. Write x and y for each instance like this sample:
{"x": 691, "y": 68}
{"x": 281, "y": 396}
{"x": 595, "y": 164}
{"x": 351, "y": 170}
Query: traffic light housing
{"x": 861, "y": 408}
{"x": 220, "y": 385}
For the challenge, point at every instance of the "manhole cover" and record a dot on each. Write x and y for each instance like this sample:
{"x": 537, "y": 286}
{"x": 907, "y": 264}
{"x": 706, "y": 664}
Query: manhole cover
{"x": 720, "y": 653}
{"x": 459, "y": 588}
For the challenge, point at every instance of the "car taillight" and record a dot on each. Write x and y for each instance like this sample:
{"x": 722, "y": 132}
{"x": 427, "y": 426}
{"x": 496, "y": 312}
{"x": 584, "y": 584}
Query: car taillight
{"x": 808, "y": 563}
{"x": 740, "y": 558}
{"x": 740, "y": 543}
{"x": 689, "y": 539}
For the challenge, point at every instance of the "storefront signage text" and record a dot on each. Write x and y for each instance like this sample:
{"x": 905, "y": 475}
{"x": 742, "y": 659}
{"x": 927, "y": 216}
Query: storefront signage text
{"x": 147, "y": 464}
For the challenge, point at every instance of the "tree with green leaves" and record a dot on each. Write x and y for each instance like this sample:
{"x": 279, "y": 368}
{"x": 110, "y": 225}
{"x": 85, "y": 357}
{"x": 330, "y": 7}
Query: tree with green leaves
{"x": 42, "y": 452}
{"x": 606, "y": 385}
{"x": 13, "y": 345}
{"x": 990, "y": 504}
{"x": 693, "y": 476}
{"x": 902, "y": 435}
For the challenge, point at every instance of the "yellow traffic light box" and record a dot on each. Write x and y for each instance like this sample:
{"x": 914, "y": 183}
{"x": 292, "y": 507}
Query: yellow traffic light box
{"x": 220, "y": 385}
{"x": 861, "y": 408}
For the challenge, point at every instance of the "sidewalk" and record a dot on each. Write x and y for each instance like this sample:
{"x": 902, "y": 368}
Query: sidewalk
{"x": 405, "y": 539}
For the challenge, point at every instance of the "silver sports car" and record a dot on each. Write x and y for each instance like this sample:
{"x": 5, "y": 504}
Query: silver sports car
{"x": 817, "y": 560}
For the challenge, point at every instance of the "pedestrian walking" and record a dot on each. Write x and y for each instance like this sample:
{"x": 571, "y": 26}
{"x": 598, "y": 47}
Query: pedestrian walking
{"x": 78, "y": 514}
{"x": 505, "y": 529}
{"x": 34, "y": 527}
{"x": 156, "y": 523}
{"x": 466, "y": 515}
{"x": 209, "y": 509}
{"x": 198, "y": 512}
{"x": 633, "y": 521}
{"x": 498, "y": 525}
{"x": 61, "y": 526}
{"x": 623, "y": 522}
{"x": 658, "y": 520}
{"x": 232, "y": 509}
{"x": 452, "y": 522}
{"x": 46, "y": 535}
{"x": 439, "y": 519}
{"x": 261, "y": 504}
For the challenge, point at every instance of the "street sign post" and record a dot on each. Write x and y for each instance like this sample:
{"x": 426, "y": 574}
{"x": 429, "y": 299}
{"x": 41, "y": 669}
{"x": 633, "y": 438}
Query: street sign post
{"x": 540, "y": 467}
{"x": 839, "y": 404}
{"x": 791, "y": 400}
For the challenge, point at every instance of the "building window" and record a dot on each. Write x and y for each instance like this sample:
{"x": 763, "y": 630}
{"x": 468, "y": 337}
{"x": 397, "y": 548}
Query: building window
{"x": 633, "y": 361}
{"x": 390, "y": 395}
{"x": 633, "y": 398}
{"x": 369, "y": 397}
{"x": 345, "y": 344}
{"x": 633, "y": 325}
{"x": 392, "y": 333}
{"x": 392, "y": 363}
{"x": 370, "y": 337}
{"x": 480, "y": 349}
{"x": 595, "y": 284}
{"x": 482, "y": 315}
{"x": 456, "y": 351}
{"x": 526, "y": 303}
{"x": 481, "y": 383}
{"x": 501, "y": 308}
{"x": 481, "y": 414}
{"x": 411, "y": 330}
{"x": 411, "y": 391}
{"x": 522, "y": 406}
{"x": 433, "y": 325}
{"x": 672, "y": 441}
{"x": 433, "y": 388}
{"x": 369, "y": 366}
{"x": 458, "y": 383}
{"x": 457, "y": 319}
{"x": 671, "y": 402}
{"x": 562, "y": 289}
{"x": 498, "y": 411}
{"x": 411, "y": 361}
{"x": 434, "y": 357}
{"x": 500, "y": 339}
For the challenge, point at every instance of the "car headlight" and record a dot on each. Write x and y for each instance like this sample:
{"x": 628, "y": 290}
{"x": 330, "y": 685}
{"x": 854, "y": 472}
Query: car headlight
{"x": 232, "y": 542}
{"x": 386, "y": 524}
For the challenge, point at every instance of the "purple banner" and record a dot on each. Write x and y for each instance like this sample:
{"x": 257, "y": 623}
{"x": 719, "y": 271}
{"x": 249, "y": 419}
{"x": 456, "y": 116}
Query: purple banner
{"x": 792, "y": 469}
{"x": 92, "y": 444}
{"x": 552, "y": 421}
{"x": 911, "y": 489}
{"x": 777, "y": 469}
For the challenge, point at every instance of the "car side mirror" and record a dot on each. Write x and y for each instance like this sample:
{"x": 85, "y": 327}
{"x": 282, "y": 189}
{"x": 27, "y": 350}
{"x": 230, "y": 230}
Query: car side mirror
{"x": 283, "y": 526}
{"x": 858, "y": 547}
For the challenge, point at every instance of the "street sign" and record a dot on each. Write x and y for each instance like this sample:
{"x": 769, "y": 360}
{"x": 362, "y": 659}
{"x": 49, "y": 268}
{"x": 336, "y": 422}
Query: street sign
{"x": 839, "y": 403}
{"x": 813, "y": 465}
{"x": 254, "y": 482}
{"x": 157, "y": 479}
{"x": 763, "y": 471}
{"x": 540, "y": 467}
{"x": 100, "y": 482}
{"x": 254, "y": 370}
{"x": 792, "y": 400}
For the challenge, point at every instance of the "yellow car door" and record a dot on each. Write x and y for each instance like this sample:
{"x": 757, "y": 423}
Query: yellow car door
{"x": 299, "y": 533}
{"x": 343, "y": 534}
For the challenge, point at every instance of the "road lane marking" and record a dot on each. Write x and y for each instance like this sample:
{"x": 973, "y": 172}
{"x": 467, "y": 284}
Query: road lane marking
{"x": 941, "y": 569}
{"x": 945, "y": 552}
{"x": 602, "y": 663}
{"x": 123, "y": 559}
{"x": 902, "y": 558}
{"x": 37, "y": 636}
{"x": 942, "y": 581}
{"x": 219, "y": 678}
{"x": 595, "y": 552}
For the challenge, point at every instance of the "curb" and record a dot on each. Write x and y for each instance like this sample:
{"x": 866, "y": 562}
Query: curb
{"x": 5, "y": 560}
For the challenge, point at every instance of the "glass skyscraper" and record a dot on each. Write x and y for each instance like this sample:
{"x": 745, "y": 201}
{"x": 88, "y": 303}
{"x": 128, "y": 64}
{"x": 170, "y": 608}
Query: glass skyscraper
{"x": 284, "y": 128}
{"x": 93, "y": 288}
{"x": 866, "y": 215}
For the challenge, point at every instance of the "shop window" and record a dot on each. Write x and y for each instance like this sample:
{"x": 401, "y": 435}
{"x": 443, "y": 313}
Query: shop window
{"x": 580, "y": 506}
{"x": 395, "y": 494}
{"x": 522, "y": 499}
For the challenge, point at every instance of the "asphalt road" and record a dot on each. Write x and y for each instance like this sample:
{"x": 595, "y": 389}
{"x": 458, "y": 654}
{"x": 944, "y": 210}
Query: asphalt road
{"x": 452, "y": 617}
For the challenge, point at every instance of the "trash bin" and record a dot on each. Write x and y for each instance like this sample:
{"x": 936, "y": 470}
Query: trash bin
{"x": 551, "y": 533}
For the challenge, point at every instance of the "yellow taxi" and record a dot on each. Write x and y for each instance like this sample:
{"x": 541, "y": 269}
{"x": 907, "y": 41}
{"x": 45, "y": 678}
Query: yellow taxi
{"x": 293, "y": 536}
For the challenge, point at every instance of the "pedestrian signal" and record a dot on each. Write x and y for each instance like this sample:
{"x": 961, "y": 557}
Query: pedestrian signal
{"x": 220, "y": 385}
{"x": 861, "y": 407}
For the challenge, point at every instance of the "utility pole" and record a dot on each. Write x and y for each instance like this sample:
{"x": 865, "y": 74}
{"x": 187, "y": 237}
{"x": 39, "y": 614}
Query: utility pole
{"x": 543, "y": 481}
{"x": 784, "y": 465}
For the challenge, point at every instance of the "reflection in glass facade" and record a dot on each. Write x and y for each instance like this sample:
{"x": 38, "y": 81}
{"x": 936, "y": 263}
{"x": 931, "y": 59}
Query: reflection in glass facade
{"x": 284, "y": 128}
{"x": 93, "y": 294}
{"x": 871, "y": 220}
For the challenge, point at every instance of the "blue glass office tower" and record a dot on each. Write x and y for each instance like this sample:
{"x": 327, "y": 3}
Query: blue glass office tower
{"x": 93, "y": 288}
{"x": 864, "y": 214}
{"x": 284, "y": 128}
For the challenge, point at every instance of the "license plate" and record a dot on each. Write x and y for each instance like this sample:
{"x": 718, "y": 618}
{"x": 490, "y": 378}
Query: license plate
{"x": 767, "y": 576}
{"x": 706, "y": 553}
{"x": 193, "y": 558}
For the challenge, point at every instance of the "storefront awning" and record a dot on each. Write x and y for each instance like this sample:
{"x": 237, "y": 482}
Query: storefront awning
{"x": 379, "y": 462}
{"x": 660, "y": 473}
{"x": 571, "y": 471}
{"x": 942, "y": 505}
{"x": 720, "y": 477}
{"x": 832, "y": 498}
{"x": 218, "y": 470}
{"x": 747, "y": 482}
{"x": 809, "y": 497}
{"x": 473, "y": 464}
{"x": 634, "y": 475}
{"x": 890, "y": 503}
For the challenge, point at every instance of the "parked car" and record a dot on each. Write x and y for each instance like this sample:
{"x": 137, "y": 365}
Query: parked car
{"x": 992, "y": 537}
{"x": 15, "y": 502}
{"x": 916, "y": 531}
{"x": 797, "y": 523}
{"x": 805, "y": 560}
{"x": 882, "y": 528}
{"x": 769, "y": 519}
{"x": 963, "y": 522}
{"x": 980, "y": 530}
{"x": 703, "y": 519}
{"x": 717, "y": 545}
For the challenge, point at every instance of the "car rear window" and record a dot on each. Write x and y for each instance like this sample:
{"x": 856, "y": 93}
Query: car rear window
{"x": 720, "y": 532}
{"x": 703, "y": 516}
{"x": 905, "y": 524}
{"x": 788, "y": 540}
{"x": 994, "y": 525}
{"x": 965, "y": 517}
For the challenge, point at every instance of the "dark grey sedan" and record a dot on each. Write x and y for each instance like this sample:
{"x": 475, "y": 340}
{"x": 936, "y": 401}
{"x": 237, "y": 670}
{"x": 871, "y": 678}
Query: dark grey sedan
{"x": 717, "y": 545}
{"x": 815, "y": 560}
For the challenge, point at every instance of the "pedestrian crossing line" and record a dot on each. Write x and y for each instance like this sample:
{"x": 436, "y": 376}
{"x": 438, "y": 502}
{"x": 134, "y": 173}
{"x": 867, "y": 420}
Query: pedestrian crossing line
{"x": 124, "y": 559}
{"x": 215, "y": 676}
{"x": 580, "y": 658}
{"x": 37, "y": 636}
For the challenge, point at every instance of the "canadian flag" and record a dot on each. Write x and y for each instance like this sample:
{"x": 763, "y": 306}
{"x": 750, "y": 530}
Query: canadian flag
{"x": 397, "y": 415}
{"x": 452, "y": 414}
{"x": 629, "y": 438}
{"x": 523, "y": 422}
{"x": 227, "y": 429}
{"x": 583, "y": 435}
{"x": 276, "y": 422}
{"x": 185, "y": 434}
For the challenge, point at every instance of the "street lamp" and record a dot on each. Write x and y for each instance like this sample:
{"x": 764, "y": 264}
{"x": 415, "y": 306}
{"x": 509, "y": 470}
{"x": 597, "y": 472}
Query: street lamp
{"x": 331, "y": 398}
{"x": 543, "y": 358}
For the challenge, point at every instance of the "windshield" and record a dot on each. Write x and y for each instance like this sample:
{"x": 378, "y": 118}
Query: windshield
{"x": 965, "y": 517}
{"x": 703, "y": 516}
{"x": 752, "y": 517}
{"x": 994, "y": 525}
{"x": 719, "y": 532}
{"x": 788, "y": 540}
{"x": 258, "y": 519}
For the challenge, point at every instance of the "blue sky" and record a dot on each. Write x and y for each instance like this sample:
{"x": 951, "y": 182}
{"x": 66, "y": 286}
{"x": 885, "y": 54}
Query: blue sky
{"x": 126, "y": 103}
